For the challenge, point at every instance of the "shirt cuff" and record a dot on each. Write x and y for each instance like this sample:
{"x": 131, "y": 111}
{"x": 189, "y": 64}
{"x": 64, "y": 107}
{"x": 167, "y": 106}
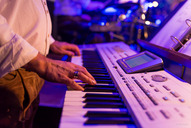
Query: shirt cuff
{"x": 52, "y": 40}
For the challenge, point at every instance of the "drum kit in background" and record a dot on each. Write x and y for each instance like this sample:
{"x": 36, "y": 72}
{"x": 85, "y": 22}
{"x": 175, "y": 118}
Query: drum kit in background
{"x": 122, "y": 21}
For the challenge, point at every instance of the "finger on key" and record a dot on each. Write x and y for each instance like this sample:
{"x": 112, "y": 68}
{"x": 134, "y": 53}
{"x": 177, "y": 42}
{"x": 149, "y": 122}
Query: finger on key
{"x": 86, "y": 78}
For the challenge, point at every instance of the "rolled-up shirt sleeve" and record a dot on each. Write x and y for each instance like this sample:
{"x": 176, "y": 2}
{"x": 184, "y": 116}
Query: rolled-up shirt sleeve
{"x": 15, "y": 52}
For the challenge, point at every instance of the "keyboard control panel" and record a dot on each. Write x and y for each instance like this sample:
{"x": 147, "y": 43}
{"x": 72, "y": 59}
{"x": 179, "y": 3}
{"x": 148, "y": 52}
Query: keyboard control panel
{"x": 155, "y": 99}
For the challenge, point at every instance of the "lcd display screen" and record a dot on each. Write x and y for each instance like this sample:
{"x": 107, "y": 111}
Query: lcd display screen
{"x": 133, "y": 62}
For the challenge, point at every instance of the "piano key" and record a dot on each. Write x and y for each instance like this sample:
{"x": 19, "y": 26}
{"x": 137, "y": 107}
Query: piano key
{"x": 93, "y": 69}
{"x": 101, "y": 75}
{"x": 83, "y": 84}
{"x": 100, "y": 85}
{"x": 101, "y": 99}
{"x": 105, "y": 81}
{"x": 114, "y": 95}
{"x": 121, "y": 121}
{"x": 102, "y": 78}
{"x": 98, "y": 72}
{"x": 97, "y": 89}
{"x": 108, "y": 114}
{"x": 103, "y": 105}
{"x": 93, "y": 65}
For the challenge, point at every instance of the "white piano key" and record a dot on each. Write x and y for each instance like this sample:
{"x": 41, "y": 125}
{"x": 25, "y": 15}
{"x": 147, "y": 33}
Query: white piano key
{"x": 73, "y": 112}
{"x": 77, "y": 60}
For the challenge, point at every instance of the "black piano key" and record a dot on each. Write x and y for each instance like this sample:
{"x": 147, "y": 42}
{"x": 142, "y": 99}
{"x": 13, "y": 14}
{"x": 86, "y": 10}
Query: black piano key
{"x": 88, "y": 59}
{"x": 108, "y": 114}
{"x": 93, "y": 65}
{"x": 101, "y": 99}
{"x": 97, "y": 70}
{"x": 100, "y": 86}
{"x": 101, "y": 75}
{"x": 103, "y": 105}
{"x": 94, "y": 68}
{"x": 102, "y": 78}
{"x": 117, "y": 121}
{"x": 91, "y": 61}
{"x": 89, "y": 52}
{"x": 97, "y": 89}
{"x": 104, "y": 81}
{"x": 114, "y": 95}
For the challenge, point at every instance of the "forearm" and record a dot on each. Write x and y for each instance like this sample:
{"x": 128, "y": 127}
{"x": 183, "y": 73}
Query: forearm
{"x": 39, "y": 64}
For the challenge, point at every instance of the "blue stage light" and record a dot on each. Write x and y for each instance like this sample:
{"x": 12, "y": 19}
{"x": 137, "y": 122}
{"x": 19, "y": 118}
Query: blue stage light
{"x": 158, "y": 22}
{"x": 110, "y": 10}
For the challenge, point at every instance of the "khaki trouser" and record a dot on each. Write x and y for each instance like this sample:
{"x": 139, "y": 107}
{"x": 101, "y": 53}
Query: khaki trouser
{"x": 25, "y": 85}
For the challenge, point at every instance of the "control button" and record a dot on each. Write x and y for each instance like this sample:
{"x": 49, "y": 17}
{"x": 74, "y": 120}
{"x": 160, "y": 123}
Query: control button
{"x": 165, "y": 114}
{"x": 123, "y": 78}
{"x": 119, "y": 73}
{"x": 164, "y": 86}
{"x": 148, "y": 92}
{"x": 182, "y": 100}
{"x": 159, "y": 78}
{"x": 156, "y": 90}
{"x": 125, "y": 81}
{"x": 139, "y": 101}
{"x": 146, "y": 80}
{"x": 151, "y": 85}
{"x": 175, "y": 94}
{"x": 121, "y": 56}
{"x": 129, "y": 87}
{"x": 153, "y": 100}
{"x": 115, "y": 66}
{"x": 165, "y": 98}
{"x": 149, "y": 115}
{"x": 126, "y": 54}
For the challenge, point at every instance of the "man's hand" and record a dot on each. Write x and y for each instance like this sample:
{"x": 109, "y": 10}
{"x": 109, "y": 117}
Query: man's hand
{"x": 64, "y": 48}
{"x": 59, "y": 71}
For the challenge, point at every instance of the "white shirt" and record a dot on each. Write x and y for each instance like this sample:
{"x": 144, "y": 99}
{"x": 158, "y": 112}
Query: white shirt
{"x": 70, "y": 7}
{"x": 25, "y": 30}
